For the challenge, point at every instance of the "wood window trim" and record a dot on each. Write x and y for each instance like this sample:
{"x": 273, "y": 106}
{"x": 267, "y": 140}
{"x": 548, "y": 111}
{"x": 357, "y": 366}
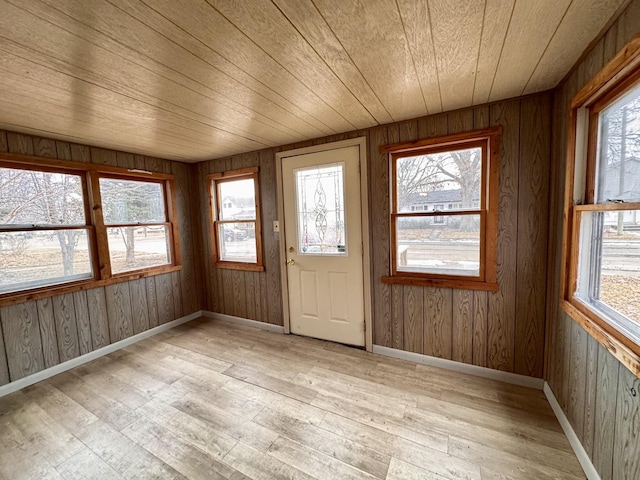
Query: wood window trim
{"x": 489, "y": 139}
{"x": 616, "y": 77}
{"x": 100, "y": 259}
{"x": 214, "y": 206}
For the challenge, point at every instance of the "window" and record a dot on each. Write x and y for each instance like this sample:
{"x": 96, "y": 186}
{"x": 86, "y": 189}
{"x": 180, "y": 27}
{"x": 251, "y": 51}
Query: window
{"x": 453, "y": 247}
{"x": 602, "y": 284}
{"x": 235, "y": 219}
{"x": 137, "y": 227}
{"x": 44, "y": 236}
{"x": 73, "y": 225}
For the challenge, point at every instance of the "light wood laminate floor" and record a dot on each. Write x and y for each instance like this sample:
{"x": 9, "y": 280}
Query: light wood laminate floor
{"x": 211, "y": 400}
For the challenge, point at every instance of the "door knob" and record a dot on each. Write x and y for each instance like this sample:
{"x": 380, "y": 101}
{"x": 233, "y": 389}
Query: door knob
{"x": 291, "y": 261}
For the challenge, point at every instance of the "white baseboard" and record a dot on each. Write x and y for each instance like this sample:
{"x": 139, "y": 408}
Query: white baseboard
{"x": 589, "y": 470}
{"x": 75, "y": 362}
{"x": 243, "y": 321}
{"x": 506, "y": 377}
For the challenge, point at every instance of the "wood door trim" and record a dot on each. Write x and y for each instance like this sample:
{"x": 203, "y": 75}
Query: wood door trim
{"x": 361, "y": 142}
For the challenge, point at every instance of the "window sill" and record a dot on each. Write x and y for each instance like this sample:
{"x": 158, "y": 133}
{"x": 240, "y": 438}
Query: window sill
{"x": 15, "y": 298}
{"x": 622, "y": 348}
{"x": 441, "y": 283}
{"x": 248, "y": 267}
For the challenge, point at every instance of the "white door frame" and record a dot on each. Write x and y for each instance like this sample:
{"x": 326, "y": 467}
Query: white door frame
{"x": 364, "y": 205}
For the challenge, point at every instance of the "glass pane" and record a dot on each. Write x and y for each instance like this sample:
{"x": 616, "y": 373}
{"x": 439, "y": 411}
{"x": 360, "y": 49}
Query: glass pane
{"x": 320, "y": 210}
{"x": 447, "y": 245}
{"x": 30, "y": 198}
{"x": 37, "y": 259}
{"x": 237, "y": 200}
{"x": 237, "y": 242}
{"x": 133, "y": 248}
{"x": 609, "y": 268}
{"x": 439, "y": 181}
{"x": 129, "y": 201}
{"x": 619, "y": 150}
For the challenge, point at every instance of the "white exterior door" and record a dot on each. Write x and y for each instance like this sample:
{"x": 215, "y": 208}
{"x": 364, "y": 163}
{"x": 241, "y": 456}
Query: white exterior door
{"x": 323, "y": 244}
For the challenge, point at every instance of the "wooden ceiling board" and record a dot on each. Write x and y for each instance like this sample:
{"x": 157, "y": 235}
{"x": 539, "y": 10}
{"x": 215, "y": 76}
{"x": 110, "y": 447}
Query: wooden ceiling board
{"x": 13, "y": 57}
{"x": 99, "y": 117}
{"x": 171, "y": 67}
{"x": 203, "y": 31}
{"x": 497, "y": 16}
{"x": 73, "y": 94}
{"x": 573, "y": 35}
{"x": 457, "y": 32}
{"x": 56, "y": 43}
{"x": 308, "y": 20}
{"x": 525, "y": 45}
{"x": 372, "y": 33}
{"x": 261, "y": 21}
{"x": 417, "y": 28}
{"x": 201, "y": 79}
{"x": 87, "y": 128}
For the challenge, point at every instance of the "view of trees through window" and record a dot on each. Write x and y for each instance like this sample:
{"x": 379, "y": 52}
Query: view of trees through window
{"x": 34, "y": 249}
{"x": 46, "y": 238}
{"x": 134, "y": 212}
{"x": 613, "y": 281}
{"x": 445, "y": 183}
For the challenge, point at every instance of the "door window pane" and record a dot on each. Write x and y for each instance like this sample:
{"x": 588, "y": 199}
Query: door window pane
{"x": 133, "y": 248}
{"x": 130, "y": 201}
{"x": 320, "y": 210}
{"x": 447, "y": 245}
{"x": 42, "y": 258}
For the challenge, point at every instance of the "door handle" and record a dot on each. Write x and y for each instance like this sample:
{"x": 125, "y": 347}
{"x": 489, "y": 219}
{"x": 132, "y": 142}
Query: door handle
{"x": 291, "y": 261}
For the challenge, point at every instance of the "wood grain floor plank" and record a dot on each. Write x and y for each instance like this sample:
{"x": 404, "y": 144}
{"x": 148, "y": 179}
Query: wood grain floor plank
{"x": 324, "y": 441}
{"x": 257, "y": 465}
{"x": 124, "y": 455}
{"x": 399, "y": 470}
{"x": 211, "y": 399}
{"x": 87, "y": 464}
{"x": 312, "y": 462}
{"x": 176, "y": 452}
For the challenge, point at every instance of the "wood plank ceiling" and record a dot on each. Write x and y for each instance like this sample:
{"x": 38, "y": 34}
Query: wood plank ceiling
{"x": 200, "y": 79}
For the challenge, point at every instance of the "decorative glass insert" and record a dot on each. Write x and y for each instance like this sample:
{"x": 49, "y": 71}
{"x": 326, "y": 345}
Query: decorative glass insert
{"x": 320, "y": 210}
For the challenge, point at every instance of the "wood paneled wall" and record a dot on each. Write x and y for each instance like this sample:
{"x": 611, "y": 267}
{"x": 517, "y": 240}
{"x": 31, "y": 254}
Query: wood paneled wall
{"x": 43, "y": 333}
{"x": 593, "y": 388}
{"x": 502, "y": 330}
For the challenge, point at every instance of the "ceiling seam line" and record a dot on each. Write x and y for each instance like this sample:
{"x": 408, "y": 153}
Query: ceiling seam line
{"x": 433, "y": 51}
{"x": 547, "y": 46}
{"x": 475, "y": 77}
{"x": 413, "y": 60}
{"x": 504, "y": 40}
